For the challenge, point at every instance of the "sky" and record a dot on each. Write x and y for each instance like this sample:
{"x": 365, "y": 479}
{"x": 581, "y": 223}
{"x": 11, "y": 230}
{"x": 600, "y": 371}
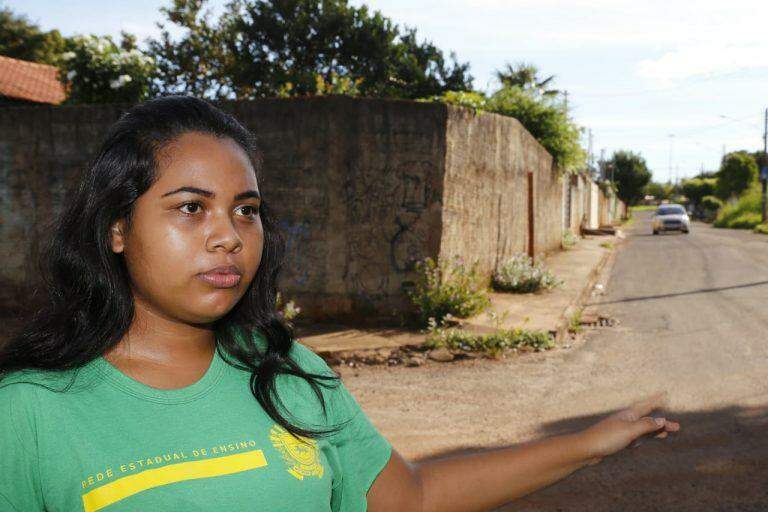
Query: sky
{"x": 679, "y": 82}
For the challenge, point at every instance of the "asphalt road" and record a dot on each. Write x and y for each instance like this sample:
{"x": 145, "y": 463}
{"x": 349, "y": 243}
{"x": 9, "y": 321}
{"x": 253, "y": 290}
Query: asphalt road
{"x": 693, "y": 319}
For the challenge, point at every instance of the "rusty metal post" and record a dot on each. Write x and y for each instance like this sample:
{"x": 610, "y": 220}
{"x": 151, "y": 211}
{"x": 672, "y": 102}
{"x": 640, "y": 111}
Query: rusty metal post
{"x": 531, "y": 244}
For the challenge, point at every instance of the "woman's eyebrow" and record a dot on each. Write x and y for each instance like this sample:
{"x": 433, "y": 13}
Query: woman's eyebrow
{"x": 208, "y": 193}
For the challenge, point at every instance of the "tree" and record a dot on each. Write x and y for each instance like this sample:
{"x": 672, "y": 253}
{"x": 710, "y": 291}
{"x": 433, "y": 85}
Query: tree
{"x": 695, "y": 189}
{"x": 292, "y": 47}
{"x": 738, "y": 171}
{"x": 760, "y": 158}
{"x": 194, "y": 64}
{"x": 546, "y": 120}
{"x": 98, "y": 70}
{"x": 525, "y": 75}
{"x": 23, "y": 40}
{"x": 655, "y": 189}
{"x": 631, "y": 175}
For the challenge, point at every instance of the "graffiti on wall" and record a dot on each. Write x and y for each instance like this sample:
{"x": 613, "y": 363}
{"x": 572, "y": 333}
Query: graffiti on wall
{"x": 296, "y": 242}
{"x": 387, "y": 232}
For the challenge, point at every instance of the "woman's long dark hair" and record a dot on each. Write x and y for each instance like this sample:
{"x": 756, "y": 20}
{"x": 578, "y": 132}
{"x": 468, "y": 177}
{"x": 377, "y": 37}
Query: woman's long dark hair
{"x": 89, "y": 306}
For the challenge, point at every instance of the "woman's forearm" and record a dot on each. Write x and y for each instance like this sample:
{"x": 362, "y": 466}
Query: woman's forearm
{"x": 486, "y": 480}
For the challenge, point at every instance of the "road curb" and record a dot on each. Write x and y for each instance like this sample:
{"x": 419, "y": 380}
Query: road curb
{"x": 564, "y": 323}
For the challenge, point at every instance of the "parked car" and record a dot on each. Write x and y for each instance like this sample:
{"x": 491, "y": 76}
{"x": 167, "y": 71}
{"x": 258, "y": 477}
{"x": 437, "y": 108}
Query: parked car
{"x": 670, "y": 217}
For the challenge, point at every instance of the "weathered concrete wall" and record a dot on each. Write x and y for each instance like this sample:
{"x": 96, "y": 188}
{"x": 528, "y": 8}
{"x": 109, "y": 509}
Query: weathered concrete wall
{"x": 356, "y": 184}
{"x": 42, "y": 152}
{"x": 362, "y": 188}
{"x": 485, "y": 207}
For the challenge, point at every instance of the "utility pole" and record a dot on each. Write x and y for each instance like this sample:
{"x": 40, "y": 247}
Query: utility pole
{"x": 764, "y": 170}
{"x": 602, "y": 163}
{"x": 671, "y": 147}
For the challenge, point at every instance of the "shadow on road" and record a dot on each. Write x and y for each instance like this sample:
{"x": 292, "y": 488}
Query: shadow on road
{"x": 718, "y": 461}
{"x": 679, "y": 294}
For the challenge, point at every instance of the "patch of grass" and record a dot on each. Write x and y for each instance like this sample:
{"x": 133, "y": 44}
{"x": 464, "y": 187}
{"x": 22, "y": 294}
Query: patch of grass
{"x": 574, "y": 323}
{"x": 492, "y": 344}
{"x": 762, "y": 228}
{"x": 627, "y": 222}
{"x": 643, "y": 207}
{"x": 606, "y": 245}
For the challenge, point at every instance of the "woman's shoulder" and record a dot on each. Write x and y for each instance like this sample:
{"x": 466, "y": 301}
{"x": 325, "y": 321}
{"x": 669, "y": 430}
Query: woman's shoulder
{"x": 20, "y": 383}
{"x": 30, "y": 384}
{"x": 308, "y": 359}
{"x": 301, "y": 354}
{"x": 19, "y": 404}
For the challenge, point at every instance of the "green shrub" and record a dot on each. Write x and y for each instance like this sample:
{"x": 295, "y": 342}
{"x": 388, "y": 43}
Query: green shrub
{"x": 447, "y": 287}
{"x": 746, "y": 221}
{"x": 474, "y": 100}
{"x": 574, "y": 323}
{"x": 569, "y": 240}
{"x": 546, "y": 119}
{"x": 542, "y": 115}
{"x": 711, "y": 203}
{"x": 520, "y": 275}
{"x": 762, "y": 228}
{"x": 709, "y": 206}
{"x": 744, "y": 213}
{"x": 492, "y": 343}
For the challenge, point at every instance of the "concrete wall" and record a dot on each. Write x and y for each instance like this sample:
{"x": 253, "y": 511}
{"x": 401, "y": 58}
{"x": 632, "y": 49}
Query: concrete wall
{"x": 356, "y": 184}
{"x": 485, "y": 207}
{"x": 362, "y": 188}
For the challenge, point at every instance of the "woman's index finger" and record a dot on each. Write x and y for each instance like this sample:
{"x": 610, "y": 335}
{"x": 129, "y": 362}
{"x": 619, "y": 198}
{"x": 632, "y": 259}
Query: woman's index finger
{"x": 644, "y": 407}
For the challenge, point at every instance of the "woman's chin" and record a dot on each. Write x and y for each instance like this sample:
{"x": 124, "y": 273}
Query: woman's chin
{"x": 214, "y": 308}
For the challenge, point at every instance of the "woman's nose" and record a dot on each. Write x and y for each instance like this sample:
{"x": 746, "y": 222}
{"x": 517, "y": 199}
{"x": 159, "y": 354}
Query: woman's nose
{"x": 224, "y": 235}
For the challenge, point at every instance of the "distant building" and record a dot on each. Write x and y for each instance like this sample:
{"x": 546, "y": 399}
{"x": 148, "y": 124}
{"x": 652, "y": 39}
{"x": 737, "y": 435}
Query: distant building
{"x": 29, "y": 83}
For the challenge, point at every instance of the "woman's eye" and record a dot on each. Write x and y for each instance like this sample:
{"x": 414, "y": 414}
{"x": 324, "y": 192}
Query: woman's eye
{"x": 194, "y": 206}
{"x": 251, "y": 211}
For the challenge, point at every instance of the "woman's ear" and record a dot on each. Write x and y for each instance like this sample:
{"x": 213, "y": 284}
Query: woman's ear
{"x": 117, "y": 236}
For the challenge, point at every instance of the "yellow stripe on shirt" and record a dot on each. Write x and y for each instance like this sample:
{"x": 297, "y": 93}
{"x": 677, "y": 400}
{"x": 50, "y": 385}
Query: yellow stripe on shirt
{"x": 127, "y": 486}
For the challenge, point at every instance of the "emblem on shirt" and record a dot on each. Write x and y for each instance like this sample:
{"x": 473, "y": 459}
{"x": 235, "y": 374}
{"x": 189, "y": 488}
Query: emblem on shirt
{"x": 300, "y": 455}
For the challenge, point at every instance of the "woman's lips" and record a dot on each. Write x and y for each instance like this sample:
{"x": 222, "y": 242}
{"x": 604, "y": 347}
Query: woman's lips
{"x": 220, "y": 280}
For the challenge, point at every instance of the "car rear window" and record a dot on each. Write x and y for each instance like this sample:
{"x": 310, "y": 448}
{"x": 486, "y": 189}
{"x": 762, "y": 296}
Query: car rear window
{"x": 670, "y": 210}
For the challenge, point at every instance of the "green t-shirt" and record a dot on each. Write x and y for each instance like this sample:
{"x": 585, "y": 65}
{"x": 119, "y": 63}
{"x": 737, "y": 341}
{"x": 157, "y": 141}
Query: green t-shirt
{"x": 114, "y": 444}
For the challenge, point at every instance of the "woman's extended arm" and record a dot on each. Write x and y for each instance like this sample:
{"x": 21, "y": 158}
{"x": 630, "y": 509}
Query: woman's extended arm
{"x": 486, "y": 480}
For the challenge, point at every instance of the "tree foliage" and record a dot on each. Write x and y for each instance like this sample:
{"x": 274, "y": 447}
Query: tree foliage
{"x": 195, "y": 63}
{"x": 292, "y": 47}
{"x": 526, "y": 75}
{"x": 24, "y": 40}
{"x": 631, "y": 175}
{"x": 546, "y": 120}
{"x": 527, "y": 98}
{"x": 695, "y": 189}
{"x": 738, "y": 171}
{"x": 98, "y": 70}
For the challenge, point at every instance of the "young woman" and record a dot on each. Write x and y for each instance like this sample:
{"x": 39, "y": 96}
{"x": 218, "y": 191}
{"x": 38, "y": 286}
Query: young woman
{"x": 157, "y": 376}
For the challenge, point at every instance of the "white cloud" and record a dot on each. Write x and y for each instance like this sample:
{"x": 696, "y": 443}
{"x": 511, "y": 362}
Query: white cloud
{"x": 701, "y": 60}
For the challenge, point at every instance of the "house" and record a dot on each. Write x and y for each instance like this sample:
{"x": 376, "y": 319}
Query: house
{"x": 29, "y": 83}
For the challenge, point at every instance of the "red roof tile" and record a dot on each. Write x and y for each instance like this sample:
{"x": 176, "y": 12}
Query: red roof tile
{"x": 30, "y": 81}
